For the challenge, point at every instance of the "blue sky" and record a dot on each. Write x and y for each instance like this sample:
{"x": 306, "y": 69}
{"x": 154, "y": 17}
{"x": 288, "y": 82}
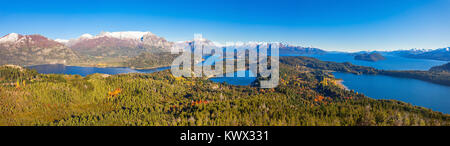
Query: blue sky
{"x": 345, "y": 25}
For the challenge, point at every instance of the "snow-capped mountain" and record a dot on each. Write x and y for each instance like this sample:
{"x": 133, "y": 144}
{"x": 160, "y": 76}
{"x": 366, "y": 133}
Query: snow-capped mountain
{"x": 33, "y": 49}
{"x": 415, "y": 51}
{"x": 126, "y": 35}
{"x": 286, "y": 49}
{"x": 14, "y": 40}
{"x": 132, "y": 36}
{"x": 436, "y": 54}
{"x": 127, "y": 43}
{"x": 12, "y": 37}
{"x": 62, "y": 41}
{"x": 132, "y": 48}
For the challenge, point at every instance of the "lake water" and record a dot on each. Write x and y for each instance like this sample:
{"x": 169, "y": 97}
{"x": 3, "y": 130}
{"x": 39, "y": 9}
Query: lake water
{"x": 390, "y": 63}
{"x": 416, "y": 92}
{"x": 83, "y": 71}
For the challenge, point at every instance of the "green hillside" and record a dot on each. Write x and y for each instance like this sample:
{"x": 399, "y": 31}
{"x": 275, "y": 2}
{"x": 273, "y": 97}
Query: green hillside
{"x": 305, "y": 96}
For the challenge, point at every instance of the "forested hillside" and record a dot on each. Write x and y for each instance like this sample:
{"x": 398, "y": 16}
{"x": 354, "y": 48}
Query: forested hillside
{"x": 151, "y": 60}
{"x": 305, "y": 96}
{"x": 33, "y": 50}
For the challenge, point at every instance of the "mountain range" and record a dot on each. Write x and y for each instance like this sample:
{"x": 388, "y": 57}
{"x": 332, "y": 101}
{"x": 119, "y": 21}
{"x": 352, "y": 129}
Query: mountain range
{"x": 34, "y": 49}
{"x": 296, "y": 50}
{"x": 104, "y": 49}
{"x": 116, "y": 44}
{"x": 436, "y": 54}
{"x": 132, "y": 49}
{"x": 124, "y": 49}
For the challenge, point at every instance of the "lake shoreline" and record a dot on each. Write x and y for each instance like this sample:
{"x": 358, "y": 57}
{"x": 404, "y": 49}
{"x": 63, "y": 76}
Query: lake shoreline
{"x": 341, "y": 84}
{"x": 413, "y": 91}
{"x": 96, "y": 66}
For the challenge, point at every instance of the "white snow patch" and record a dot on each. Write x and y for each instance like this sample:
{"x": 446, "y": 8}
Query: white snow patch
{"x": 12, "y": 37}
{"x": 124, "y": 34}
{"x": 61, "y": 41}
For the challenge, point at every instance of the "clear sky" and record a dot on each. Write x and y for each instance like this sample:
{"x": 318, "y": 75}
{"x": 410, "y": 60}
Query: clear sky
{"x": 345, "y": 25}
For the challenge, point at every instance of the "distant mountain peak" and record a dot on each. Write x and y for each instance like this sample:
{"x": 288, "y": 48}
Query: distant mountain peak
{"x": 430, "y": 50}
{"x": 123, "y": 43}
{"x": 87, "y": 36}
{"x": 62, "y": 41}
{"x": 33, "y": 40}
{"x": 420, "y": 50}
{"x": 121, "y": 35}
{"x": 446, "y": 49}
{"x": 12, "y": 37}
{"x": 33, "y": 49}
{"x": 124, "y": 34}
{"x": 436, "y": 54}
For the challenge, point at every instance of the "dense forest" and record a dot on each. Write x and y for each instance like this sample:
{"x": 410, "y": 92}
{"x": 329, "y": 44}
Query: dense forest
{"x": 150, "y": 60}
{"x": 327, "y": 65}
{"x": 307, "y": 96}
{"x": 438, "y": 74}
{"x": 442, "y": 78}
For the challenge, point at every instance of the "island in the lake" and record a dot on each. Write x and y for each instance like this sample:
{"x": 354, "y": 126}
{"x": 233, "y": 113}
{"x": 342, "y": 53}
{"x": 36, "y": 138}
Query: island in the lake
{"x": 370, "y": 57}
{"x": 441, "y": 68}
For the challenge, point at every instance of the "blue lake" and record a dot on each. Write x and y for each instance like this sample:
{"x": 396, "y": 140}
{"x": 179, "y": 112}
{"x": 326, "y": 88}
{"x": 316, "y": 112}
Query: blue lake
{"x": 416, "y": 92}
{"x": 390, "y": 63}
{"x": 84, "y": 71}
